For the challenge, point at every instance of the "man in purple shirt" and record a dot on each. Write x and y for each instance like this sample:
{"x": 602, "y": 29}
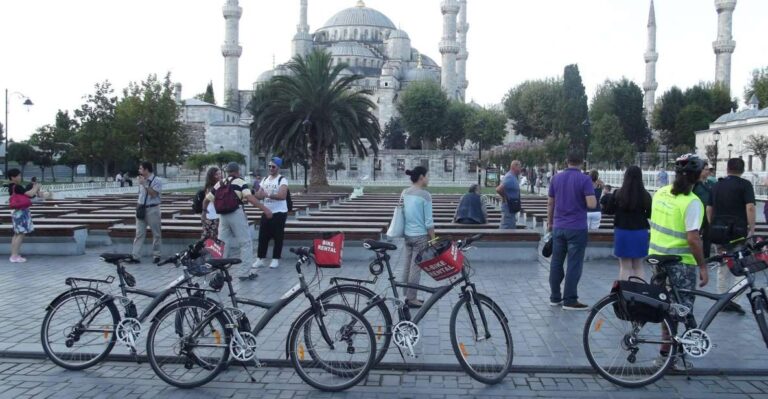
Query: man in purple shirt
{"x": 570, "y": 194}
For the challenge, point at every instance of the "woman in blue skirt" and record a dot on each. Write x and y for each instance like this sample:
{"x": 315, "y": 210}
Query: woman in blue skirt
{"x": 631, "y": 205}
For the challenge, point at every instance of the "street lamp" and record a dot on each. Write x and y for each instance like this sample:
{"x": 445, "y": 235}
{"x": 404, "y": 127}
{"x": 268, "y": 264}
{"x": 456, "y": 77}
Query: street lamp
{"x": 730, "y": 148}
{"x": 27, "y": 103}
{"x": 586, "y": 124}
{"x": 307, "y": 126}
{"x": 716, "y": 136}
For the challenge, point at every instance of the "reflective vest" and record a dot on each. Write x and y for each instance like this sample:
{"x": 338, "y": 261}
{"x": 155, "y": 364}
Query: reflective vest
{"x": 668, "y": 232}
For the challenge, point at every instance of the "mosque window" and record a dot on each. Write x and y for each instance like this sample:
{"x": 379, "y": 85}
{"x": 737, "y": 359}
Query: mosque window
{"x": 447, "y": 165}
{"x": 354, "y": 34}
{"x": 348, "y": 61}
{"x": 352, "y": 163}
{"x": 335, "y": 34}
{"x": 386, "y": 84}
{"x": 365, "y": 62}
{"x": 344, "y": 35}
{"x": 365, "y": 34}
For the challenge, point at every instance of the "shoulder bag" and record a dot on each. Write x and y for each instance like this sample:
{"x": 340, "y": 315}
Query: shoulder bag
{"x": 18, "y": 201}
{"x": 141, "y": 210}
{"x": 397, "y": 224}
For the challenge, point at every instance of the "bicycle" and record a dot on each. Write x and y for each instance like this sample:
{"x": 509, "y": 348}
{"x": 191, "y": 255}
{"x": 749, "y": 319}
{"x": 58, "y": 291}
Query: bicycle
{"x": 336, "y": 331}
{"x": 472, "y": 311}
{"x": 629, "y": 352}
{"x": 85, "y": 318}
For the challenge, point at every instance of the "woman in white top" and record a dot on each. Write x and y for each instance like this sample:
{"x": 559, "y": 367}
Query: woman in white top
{"x": 211, "y": 221}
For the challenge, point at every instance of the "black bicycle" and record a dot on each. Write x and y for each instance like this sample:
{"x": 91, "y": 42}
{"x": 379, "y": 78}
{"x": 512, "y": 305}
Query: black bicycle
{"x": 331, "y": 346}
{"x": 82, "y": 324}
{"x": 624, "y": 347}
{"x": 480, "y": 335}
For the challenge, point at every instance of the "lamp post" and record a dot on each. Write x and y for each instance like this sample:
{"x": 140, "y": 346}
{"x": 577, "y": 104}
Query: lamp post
{"x": 586, "y": 124}
{"x": 27, "y": 103}
{"x": 716, "y": 136}
{"x": 730, "y": 148}
{"x": 307, "y": 126}
{"x": 481, "y": 131}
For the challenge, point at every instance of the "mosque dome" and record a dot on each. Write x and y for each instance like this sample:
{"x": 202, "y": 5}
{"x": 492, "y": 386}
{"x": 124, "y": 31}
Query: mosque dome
{"x": 399, "y": 34}
{"x": 351, "y": 49}
{"x": 360, "y": 15}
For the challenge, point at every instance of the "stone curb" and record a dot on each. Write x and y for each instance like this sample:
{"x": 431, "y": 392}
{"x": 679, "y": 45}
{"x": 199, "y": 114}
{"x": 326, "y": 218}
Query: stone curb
{"x": 429, "y": 367}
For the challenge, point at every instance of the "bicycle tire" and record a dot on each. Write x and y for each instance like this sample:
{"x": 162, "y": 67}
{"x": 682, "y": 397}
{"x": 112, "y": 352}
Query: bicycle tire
{"x": 106, "y": 331}
{"x": 326, "y": 366}
{"x": 217, "y": 321}
{"x": 381, "y": 324}
{"x": 497, "y": 372}
{"x": 618, "y": 340}
{"x": 759, "y": 309}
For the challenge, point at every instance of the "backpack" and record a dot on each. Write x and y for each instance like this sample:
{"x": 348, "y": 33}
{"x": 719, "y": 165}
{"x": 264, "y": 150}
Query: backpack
{"x": 225, "y": 200}
{"x": 197, "y": 202}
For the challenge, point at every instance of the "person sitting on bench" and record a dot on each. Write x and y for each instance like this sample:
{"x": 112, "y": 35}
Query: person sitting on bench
{"x": 472, "y": 208}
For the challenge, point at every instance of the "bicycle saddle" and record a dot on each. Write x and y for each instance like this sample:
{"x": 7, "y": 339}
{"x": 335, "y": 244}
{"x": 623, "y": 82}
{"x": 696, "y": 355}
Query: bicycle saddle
{"x": 115, "y": 258}
{"x": 663, "y": 260}
{"x": 223, "y": 263}
{"x": 378, "y": 245}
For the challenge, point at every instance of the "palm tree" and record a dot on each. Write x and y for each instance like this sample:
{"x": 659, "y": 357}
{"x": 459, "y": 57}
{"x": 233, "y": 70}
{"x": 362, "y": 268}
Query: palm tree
{"x": 310, "y": 113}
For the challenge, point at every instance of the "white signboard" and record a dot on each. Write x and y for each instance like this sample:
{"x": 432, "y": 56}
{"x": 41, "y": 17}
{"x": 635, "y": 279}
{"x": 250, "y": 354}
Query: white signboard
{"x": 80, "y": 169}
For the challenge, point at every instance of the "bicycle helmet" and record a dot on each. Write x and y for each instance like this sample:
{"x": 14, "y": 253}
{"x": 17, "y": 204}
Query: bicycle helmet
{"x": 689, "y": 163}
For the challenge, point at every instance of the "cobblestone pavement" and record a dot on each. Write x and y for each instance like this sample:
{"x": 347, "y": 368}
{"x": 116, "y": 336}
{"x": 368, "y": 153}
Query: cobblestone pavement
{"x": 41, "y": 379}
{"x": 543, "y": 336}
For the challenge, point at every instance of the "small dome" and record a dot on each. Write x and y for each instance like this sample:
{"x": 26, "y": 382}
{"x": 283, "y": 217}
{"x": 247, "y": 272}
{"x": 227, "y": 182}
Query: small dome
{"x": 265, "y": 76}
{"x": 351, "y": 49}
{"x": 399, "y": 34}
{"x": 360, "y": 16}
{"x": 420, "y": 75}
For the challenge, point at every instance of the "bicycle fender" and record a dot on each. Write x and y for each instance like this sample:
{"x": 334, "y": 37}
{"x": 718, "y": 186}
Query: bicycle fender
{"x": 292, "y": 329}
{"x": 183, "y": 300}
{"x": 331, "y": 290}
{"x": 106, "y": 297}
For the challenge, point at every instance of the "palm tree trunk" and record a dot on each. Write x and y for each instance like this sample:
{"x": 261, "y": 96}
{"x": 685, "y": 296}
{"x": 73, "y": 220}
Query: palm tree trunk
{"x": 317, "y": 169}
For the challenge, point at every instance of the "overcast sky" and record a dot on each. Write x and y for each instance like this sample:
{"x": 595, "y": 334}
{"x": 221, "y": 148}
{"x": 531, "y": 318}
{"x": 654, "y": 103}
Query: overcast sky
{"x": 54, "y": 51}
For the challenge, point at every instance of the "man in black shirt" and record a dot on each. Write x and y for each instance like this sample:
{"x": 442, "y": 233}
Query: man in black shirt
{"x": 732, "y": 199}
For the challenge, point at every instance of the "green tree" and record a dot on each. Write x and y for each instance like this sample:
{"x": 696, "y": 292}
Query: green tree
{"x": 199, "y": 162}
{"x": 97, "y": 139}
{"x": 21, "y": 153}
{"x": 624, "y": 99}
{"x": 533, "y": 107}
{"x": 149, "y": 113}
{"x": 665, "y": 114}
{"x": 423, "y": 107}
{"x": 208, "y": 95}
{"x": 225, "y": 157}
{"x": 609, "y": 144}
{"x": 555, "y": 149}
{"x": 487, "y": 127}
{"x": 758, "y": 86}
{"x": 394, "y": 135}
{"x": 313, "y": 111}
{"x": 458, "y": 119}
{"x": 759, "y": 146}
{"x": 653, "y": 153}
{"x": 573, "y": 107}
{"x": 692, "y": 118}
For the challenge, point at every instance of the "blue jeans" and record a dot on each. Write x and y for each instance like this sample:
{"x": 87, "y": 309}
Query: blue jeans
{"x": 571, "y": 243}
{"x": 508, "y": 219}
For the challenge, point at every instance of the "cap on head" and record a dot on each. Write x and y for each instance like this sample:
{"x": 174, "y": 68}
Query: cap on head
{"x": 232, "y": 167}
{"x": 277, "y": 161}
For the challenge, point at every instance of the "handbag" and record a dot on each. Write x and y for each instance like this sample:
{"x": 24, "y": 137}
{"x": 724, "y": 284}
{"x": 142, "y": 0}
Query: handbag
{"x": 397, "y": 224}
{"x": 141, "y": 210}
{"x": 19, "y": 201}
{"x": 513, "y": 205}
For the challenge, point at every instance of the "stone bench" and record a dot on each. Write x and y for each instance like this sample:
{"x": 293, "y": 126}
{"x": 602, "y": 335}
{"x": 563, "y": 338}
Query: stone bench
{"x": 98, "y": 228}
{"x": 48, "y": 239}
{"x": 498, "y": 245}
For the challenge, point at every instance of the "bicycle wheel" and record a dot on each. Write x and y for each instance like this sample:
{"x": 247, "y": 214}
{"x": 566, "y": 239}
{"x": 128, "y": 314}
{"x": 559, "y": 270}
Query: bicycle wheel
{"x": 78, "y": 330}
{"x": 759, "y": 309}
{"x": 334, "y": 350}
{"x": 484, "y": 350}
{"x": 627, "y": 353}
{"x": 378, "y": 316}
{"x": 188, "y": 343}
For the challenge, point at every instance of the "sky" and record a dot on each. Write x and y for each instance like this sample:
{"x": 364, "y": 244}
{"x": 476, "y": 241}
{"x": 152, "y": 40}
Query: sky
{"x": 54, "y": 51}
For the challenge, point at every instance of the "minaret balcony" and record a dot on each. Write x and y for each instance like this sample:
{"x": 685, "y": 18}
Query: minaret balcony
{"x": 231, "y": 11}
{"x": 725, "y": 5}
{"x": 231, "y": 50}
{"x": 450, "y": 7}
{"x": 648, "y": 86}
{"x": 651, "y": 56}
{"x": 448, "y": 46}
{"x": 724, "y": 46}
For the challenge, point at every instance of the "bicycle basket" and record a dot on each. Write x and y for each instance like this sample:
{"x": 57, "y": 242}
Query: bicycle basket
{"x": 754, "y": 263}
{"x": 639, "y": 301}
{"x": 441, "y": 260}
{"x": 328, "y": 250}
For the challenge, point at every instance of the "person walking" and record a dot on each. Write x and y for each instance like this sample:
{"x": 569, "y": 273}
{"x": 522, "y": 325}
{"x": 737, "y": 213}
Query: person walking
{"x": 471, "y": 208}
{"x": 119, "y": 179}
{"x": 606, "y": 199}
{"x": 594, "y": 215}
{"x": 274, "y": 191}
{"x": 662, "y": 179}
{"x": 419, "y": 229}
{"x": 233, "y": 223}
{"x": 676, "y": 217}
{"x": 150, "y": 188}
{"x": 703, "y": 190}
{"x": 532, "y": 177}
{"x": 20, "y": 217}
{"x": 571, "y": 193}
{"x": 509, "y": 191}
{"x": 731, "y": 208}
{"x": 631, "y": 205}
{"x": 210, "y": 219}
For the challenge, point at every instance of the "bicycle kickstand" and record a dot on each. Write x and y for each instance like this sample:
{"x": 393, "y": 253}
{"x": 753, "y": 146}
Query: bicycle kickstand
{"x": 250, "y": 375}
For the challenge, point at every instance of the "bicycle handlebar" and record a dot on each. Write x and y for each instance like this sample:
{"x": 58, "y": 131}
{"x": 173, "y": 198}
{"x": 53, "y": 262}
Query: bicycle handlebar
{"x": 469, "y": 240}
{"x": 750, "y": 247}
{"x": 301, "y": 251}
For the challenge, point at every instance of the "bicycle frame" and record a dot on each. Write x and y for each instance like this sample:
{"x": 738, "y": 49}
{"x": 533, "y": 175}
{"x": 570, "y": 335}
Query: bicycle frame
{"x": 721, "y": 300}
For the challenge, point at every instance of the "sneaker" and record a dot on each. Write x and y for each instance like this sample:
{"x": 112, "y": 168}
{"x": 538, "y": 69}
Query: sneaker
{"x": 249, "y": 277}
{"x": 17, "y": 259}
{"x": 134, "y": 260}
{"x": 156, "y": 260}
{"x": 556, "y": 303}
{"x": 274, "y": 264}
{"x": 576, "y": 306}
{"x": 259, "y": 263}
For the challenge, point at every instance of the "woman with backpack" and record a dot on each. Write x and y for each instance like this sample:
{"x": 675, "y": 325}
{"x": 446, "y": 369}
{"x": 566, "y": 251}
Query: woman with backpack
{"x": 19, "y": 202}
{"x": 211, "y": 219}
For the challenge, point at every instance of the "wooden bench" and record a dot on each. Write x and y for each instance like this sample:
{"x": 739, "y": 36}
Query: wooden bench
{"x": 350, "y": 233}
{"x": 48, "y": 239}
{"x": 499, "y": 245}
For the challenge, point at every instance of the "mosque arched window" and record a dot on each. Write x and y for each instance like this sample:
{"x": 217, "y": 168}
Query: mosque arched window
{"x": 345, "y": 34}
{"x": 335, "y": 34}
{"x": 365, "y": 34}
{"x": 354, "y": 34}
{"x": 365, "y": 62}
